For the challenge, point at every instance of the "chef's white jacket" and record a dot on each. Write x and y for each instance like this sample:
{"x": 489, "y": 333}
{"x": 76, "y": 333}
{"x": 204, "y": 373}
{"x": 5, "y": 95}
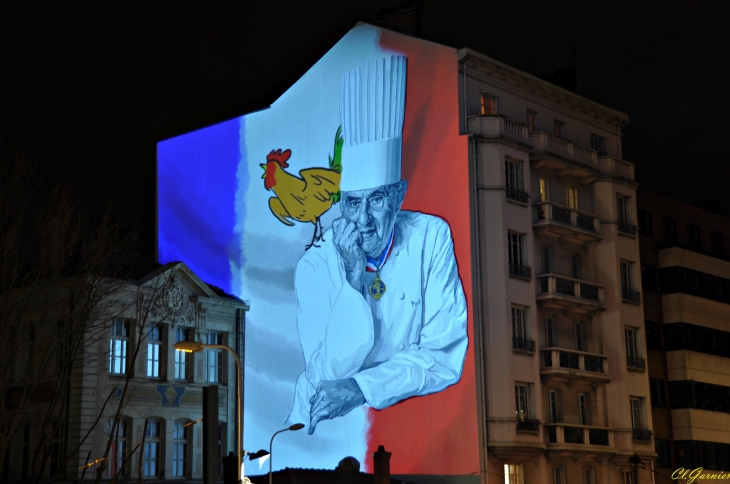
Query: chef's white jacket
{"x": 409, "y": 343}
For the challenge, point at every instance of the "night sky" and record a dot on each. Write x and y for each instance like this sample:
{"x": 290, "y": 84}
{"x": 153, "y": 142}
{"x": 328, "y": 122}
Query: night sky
{"x": 89, "y": 88}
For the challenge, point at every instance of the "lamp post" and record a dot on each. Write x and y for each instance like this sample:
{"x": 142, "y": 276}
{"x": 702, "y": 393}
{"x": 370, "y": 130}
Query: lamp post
{"x": 296, "y": 426}
{"x": 194, "y": 346}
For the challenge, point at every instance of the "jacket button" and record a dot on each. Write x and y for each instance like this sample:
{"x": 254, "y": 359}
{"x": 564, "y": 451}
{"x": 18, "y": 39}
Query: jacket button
{"x": 401, "y": 346}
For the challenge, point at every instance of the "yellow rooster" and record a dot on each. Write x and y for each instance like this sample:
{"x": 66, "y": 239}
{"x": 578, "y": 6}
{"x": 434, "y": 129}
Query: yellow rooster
{"x": 304, "y": 198}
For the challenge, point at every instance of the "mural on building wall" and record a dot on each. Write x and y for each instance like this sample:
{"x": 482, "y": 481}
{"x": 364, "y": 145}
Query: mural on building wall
{"x": 346, "y": 247}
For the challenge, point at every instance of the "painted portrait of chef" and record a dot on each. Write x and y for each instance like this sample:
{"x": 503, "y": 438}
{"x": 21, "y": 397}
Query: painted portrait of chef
{"x": 381, "y": 312}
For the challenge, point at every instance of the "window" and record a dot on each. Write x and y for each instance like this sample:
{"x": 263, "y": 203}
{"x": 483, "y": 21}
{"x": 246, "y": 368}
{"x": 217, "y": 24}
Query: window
{"x": 571, "y": 196}
{"x": 551, "y": 340}
{"x": 656, "y": 391}
{"x": 531, "y": 120}
{"x": 118, "y": 449}
{"x": 517, "y": 244}
{"x": 598, "y": 143}
{"x": 632, "y": 348}
{"x": 669, "y": 226}
{"x": 152, "y": 449}
{"x": 580, "y": 336}
{"x": 646, "y": 224}
{"x": 522, "y": 402}
{"x": 558, "y": 474}
{"x": 588, "y": 475}
{"x": 637, "y": 422}
{"x": 663, "y": 459}
{"x": 694, "y": 241}
{"x": 180, "y": 450}
{"x": 514, "y": 474}
{"x": 559, "y": 128}
{"x": 118, "y": 347}
{"x": 717, "y": 246}
{"x": 181, "y": 357}
{"x": 623, "y": 215}
{"x": 648, "y": 278}
{"x": 544, "y": 189}
{"x": 488, "y": 104}
{"x": 154, "y": 343}
{"x": 514, "y": 180}
{"x": 627, "y": 477}
{"x": 555, "y": 403}
{"x": 628, "y": 282}
{"x": 214, "y": 359}
{"x": 521, "y": 330}
{"x": 546, "y": 254}
{"x": 58, "y": 450}
{"x": 576, "y": 266}
{"x": 584, "y": 408}
{"x": 653, "y": 335}
{"x": 680, "y": 279}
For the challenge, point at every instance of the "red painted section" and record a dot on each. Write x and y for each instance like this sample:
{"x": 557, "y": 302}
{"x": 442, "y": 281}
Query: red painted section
{"x": 270, "y": 181}
{"x": 434, "y": 434}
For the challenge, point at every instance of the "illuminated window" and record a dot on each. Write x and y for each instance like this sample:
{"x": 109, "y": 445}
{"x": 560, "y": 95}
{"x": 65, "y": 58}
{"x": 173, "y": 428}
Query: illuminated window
{"x": 181, "y": 357}
{"x": 214, "y": 363}
{"x": 152, "y": 449}
{"x": 488, "y": 104}
{"x": 531, "y": 120}
{"x": 180, "y": 450}
{"x": 544, "y": 189}
{"x": 584, "y": 408}
{"x": 598, "y": 143}
{"x": 117, "y": 454}
{"x": 154, "y": 343}
{"x": 514, "y": 474}
{"x": 559, "y": 125}
{"x": 571, "y": 196}
{"x": 118, "y": 347}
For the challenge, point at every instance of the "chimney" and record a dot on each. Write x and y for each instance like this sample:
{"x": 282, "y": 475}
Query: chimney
{"x": 381, "y": 466}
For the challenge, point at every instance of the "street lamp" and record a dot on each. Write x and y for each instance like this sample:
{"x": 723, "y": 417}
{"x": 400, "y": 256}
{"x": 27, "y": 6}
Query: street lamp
{"x": 194, "y": 346}
{"x": 296, "y": 426}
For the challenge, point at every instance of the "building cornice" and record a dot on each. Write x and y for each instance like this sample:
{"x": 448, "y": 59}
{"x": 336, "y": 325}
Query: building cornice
{"x": 518, "y": 80}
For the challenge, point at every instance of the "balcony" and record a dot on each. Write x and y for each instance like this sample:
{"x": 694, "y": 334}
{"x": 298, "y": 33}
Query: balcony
{"x": 523, "y": 344}
{"x": 499, "y": 128}
{"x": 569, "y": 295}
{"x": 528, "y": 425}
{"x": 573, "y": 366}
{"x": 616, "y": 167}
{"x": 517, "y": 195}
{"x": 567, "y": 224}
{"x": 641, "y": 435}
{"x": 635, "y": 363}
{"x": 626, "y": 228}
{"x": 578, "y": 440}
{"x": 570, "y": 159}
{"x": 630, "y": 296}
{"x": 520, "y": 270}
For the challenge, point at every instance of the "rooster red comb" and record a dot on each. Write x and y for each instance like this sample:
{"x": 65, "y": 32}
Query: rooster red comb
{"x": 280, "y": 156}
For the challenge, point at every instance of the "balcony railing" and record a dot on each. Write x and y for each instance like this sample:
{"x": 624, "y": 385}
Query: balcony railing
{"x": 630, "y": 295}
{"x": 626, "y": 228}
{"x": 546, "y": 142}
{"x": 614, "y": 166}
{"x": 641, "y": 434}
{"x": 560, "y": 433}
{"x": 529, "y": 424}
{"x": 636, "y": 362}
{"x": 523, "y": 344}
{"x": 576, "y": 360}
{"x": 520, "y": 270}
{"x": 498, "y": 127}
{"x": 566, "y": 286}
{"x": 552, "y": 212}
{"x": 517, "y": 194}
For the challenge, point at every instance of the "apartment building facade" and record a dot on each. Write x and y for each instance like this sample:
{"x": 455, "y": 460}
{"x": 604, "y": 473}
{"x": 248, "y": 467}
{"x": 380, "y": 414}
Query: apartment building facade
{"x": 685, "y": 270}
{"x": 130, "y": 356}
{"x": 563, "y": 386}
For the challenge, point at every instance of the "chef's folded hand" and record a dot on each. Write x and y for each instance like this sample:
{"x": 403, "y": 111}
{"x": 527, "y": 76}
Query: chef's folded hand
{"x": 334, "y": 399}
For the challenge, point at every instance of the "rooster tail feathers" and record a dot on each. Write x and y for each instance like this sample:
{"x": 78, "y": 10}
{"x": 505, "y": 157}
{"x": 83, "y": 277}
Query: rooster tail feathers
{"x": 335, "y": 161}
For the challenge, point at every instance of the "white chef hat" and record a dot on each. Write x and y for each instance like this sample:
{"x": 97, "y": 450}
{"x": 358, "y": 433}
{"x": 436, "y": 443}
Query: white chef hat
{"x": 372, "y": 108}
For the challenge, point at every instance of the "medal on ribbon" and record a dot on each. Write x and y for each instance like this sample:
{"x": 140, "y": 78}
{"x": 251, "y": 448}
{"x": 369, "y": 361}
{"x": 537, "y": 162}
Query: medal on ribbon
{"x": 377, "y": 288}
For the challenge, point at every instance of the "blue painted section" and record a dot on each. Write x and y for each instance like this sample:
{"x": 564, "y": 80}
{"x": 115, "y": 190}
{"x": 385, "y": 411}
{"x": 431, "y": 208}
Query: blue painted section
{"x": 196, "y": 188}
